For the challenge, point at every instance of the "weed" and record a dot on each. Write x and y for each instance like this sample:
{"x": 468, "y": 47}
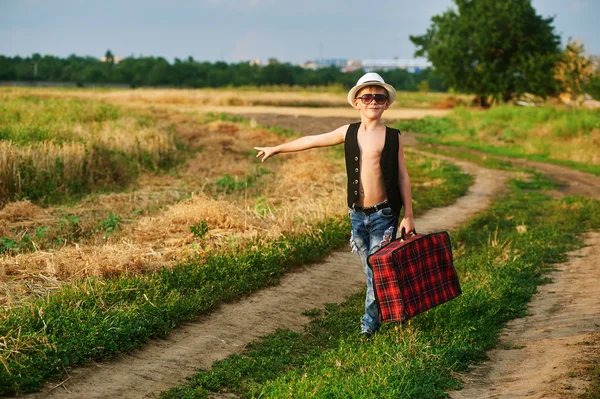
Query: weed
{"x": 288, "y": 133}
{"x": 8, "y": 244}
{"x": 593, "y": 390}
{"x": 229, "y": 184}
{"x": 25, "y": 242}
{"x": 68, "y": 226}
{"x": 262, "y": 206}
{"x": 222, "y": 116}
{"x": 110, "y": 224}
{"x": 199, "y": 229}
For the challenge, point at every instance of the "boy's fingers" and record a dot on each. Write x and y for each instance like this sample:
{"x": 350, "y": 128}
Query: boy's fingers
{"x": 262, "y": 153}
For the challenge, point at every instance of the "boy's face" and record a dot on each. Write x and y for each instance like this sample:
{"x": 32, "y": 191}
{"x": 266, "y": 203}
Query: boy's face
{"x": 372, "y": 109}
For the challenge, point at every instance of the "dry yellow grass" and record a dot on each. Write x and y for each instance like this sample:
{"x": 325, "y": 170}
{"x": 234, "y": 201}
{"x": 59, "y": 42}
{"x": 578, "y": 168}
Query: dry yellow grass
{"x": 42, "y": 157}
{"x": 197, "y": 97}
{"x": 78, "y": 135}
{"x": 232, "y": 99}
{"x": 300, "y": 190}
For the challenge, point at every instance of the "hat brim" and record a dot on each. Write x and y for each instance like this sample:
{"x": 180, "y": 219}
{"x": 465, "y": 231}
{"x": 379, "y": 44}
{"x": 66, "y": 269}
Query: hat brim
{"x": 389, "y": 88}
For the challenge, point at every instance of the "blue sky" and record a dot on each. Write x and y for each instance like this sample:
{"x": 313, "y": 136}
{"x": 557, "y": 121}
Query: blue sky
{"x": 233, "y": 31}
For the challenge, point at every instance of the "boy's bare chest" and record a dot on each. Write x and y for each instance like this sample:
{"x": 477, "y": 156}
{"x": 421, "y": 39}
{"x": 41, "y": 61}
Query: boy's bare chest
{"x": 371, "y": 145}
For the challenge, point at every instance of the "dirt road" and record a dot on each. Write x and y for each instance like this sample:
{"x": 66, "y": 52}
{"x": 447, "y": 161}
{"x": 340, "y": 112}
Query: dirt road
{"x": 541, "y": 356}
{"x": 564, "y": 314}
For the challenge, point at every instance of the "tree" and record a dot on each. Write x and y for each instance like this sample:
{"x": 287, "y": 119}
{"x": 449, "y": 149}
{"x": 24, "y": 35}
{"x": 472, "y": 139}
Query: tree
{"x": 7, "y": 71}
{"x": 574, "y": 71}
{"x": 109, "y": 57}
{"x": 160, "y": 72}
{"x": 494, "y": 49}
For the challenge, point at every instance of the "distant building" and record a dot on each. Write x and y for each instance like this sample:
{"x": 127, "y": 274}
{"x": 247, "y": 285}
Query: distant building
{"x": 115, "y": 59}
{"x": 331, "y": 62}
{"x": 310, "y": 65}
{"x": 410, "y": 65}
{"x": 369, "y": 65}
{"x": 353, "y": 65}
{"x": 340, "y": 63}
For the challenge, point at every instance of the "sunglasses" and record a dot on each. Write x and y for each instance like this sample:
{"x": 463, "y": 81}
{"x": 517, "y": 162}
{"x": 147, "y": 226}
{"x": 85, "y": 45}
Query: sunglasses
{"x": 379, "y": 98}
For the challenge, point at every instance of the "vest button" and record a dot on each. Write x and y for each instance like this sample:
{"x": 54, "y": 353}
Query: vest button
{"x": 356, "y": 158}
{"x": 356, "y": 193}
{"x": 355, "y": 181}
{"x": 356, "y": 170}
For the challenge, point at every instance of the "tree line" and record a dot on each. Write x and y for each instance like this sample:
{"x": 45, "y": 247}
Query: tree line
{"x": 157, "y": 71}
{"x": 497, "y": 50}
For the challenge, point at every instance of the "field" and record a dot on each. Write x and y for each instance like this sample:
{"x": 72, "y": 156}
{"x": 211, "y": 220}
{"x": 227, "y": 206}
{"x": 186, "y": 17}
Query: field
{"x": 562, "y": 136}
{"x": 145, "y": 209}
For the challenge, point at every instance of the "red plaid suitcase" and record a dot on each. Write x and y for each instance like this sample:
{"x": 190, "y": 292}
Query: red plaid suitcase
{"x": 413, "y": 275}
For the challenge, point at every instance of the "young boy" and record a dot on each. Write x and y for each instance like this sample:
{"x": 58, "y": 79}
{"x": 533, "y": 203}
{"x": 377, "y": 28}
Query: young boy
{"x": 378, "y": 182}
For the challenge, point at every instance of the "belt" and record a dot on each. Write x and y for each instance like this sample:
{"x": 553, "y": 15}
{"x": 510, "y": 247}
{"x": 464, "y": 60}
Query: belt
{"x": 370, "y": 209}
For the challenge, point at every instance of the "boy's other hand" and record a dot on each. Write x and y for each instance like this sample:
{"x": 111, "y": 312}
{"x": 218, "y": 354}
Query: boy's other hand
{"x": 264, "y": 152}
{"x": 408, "y": 224}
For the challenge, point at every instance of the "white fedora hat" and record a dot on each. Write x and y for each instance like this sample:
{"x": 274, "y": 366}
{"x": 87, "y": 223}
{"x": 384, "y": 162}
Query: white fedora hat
{"x": 371, "y": 79}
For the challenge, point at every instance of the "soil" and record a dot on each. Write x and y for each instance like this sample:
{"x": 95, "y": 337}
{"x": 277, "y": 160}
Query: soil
{"x": 536, "y": 357}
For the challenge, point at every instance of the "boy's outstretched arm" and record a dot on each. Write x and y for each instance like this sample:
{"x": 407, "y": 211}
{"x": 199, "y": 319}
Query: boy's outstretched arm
{"x": 334, "y": 137}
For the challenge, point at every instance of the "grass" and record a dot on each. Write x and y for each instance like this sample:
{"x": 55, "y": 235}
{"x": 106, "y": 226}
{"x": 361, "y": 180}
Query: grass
{"x": 66, "y": 148}
{"x": 499, "y": 266}
{"x": 440, "y": 182}
{"x": 85, "y": 219}
{"x": 569, "y": 137}
{"x": 593, "y": 391}
{"x": 99, "y": 317}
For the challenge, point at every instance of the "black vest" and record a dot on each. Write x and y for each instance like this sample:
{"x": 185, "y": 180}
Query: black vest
{"x": 388, "y": 163}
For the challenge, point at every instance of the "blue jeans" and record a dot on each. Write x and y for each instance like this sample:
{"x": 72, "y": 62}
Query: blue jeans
{"x": 369, "y": 233}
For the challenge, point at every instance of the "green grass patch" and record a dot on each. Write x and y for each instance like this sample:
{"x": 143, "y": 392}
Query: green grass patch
{"x": 476, "y": 158}
{"x": 501, "y": 256}
{"x": 566, "y": 137}
{"x": 593, "y": 391}
{"x": 435, "y": 183}
{"x": 229, "y": 184}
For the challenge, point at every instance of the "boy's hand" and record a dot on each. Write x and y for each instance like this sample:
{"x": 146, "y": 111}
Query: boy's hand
{"x": 408, "y": 224}
{"x": 264, "y": 152}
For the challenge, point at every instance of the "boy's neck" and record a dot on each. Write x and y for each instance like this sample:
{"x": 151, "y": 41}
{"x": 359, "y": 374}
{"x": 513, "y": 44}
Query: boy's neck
{"x": 370, "y": 124}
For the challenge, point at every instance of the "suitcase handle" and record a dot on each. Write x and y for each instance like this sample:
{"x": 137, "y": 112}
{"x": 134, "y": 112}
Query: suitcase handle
{"x": 403, "y": 234}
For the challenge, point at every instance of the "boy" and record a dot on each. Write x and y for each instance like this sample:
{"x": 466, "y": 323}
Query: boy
{"x": 378, "y": 182}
